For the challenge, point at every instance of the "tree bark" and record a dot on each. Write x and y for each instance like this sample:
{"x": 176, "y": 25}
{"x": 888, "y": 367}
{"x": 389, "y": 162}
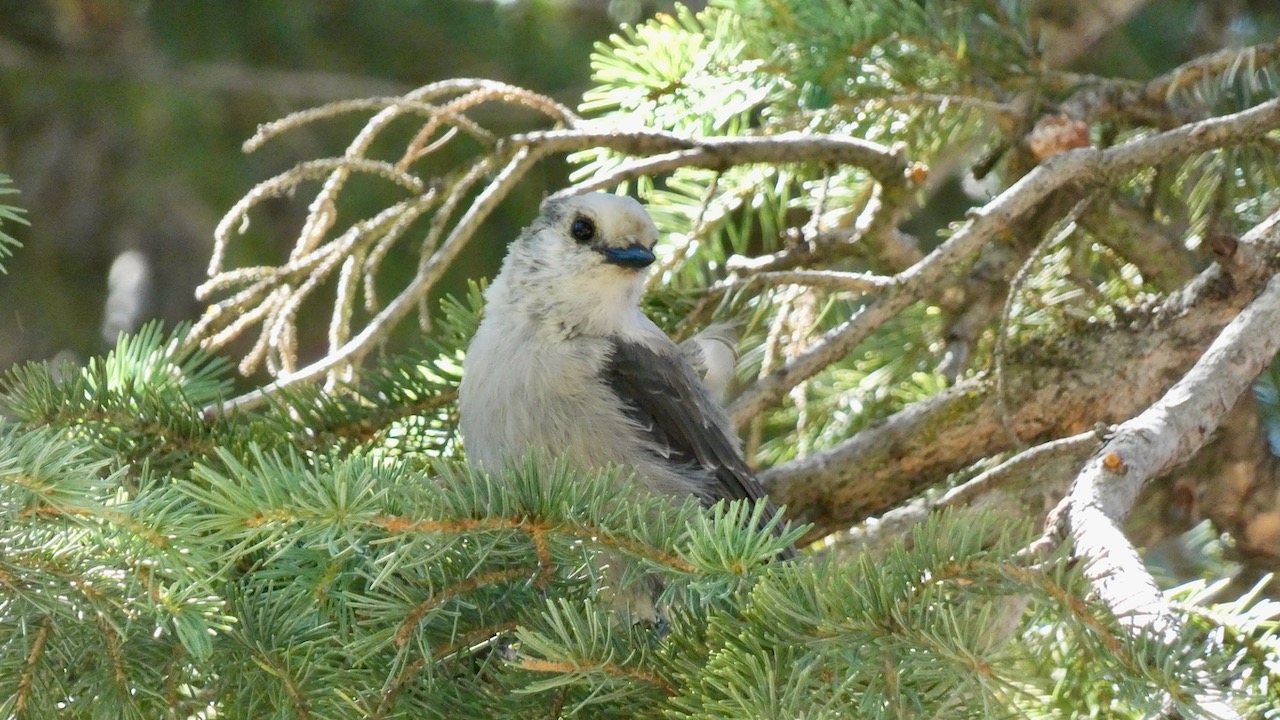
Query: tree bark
{"x": 1056, "y": 387}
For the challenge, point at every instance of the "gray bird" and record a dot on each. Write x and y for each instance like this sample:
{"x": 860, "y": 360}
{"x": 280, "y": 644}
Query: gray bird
{"x": 566, "y": 363}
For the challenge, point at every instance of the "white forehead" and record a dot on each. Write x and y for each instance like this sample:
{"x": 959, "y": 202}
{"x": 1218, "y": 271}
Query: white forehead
{"x": 616, "y": 215}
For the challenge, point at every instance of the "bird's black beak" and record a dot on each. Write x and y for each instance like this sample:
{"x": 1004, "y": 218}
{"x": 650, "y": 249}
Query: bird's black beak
{"x": 632, "y": 256}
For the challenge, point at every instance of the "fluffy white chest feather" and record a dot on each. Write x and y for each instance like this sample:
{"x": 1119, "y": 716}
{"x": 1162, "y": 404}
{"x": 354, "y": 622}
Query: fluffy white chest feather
{"x": 536, "y": 395}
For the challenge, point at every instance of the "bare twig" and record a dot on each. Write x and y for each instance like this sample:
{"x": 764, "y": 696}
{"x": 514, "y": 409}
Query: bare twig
{"x": 825, "y": 279}
{"x": 268, "y": 131}
{"x": 719, "y": 153}
{"x": 899, "y": 521}
{"x": 417, "y": 102}
{"x": 285, "y": 182}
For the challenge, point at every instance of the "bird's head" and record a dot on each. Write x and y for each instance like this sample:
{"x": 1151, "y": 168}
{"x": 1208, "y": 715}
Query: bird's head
{"x": 596, "y": 233}
{"x": 584, "y": 258}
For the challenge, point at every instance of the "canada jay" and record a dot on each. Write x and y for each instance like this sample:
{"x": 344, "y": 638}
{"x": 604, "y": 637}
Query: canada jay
{"x": 565, "y": 362}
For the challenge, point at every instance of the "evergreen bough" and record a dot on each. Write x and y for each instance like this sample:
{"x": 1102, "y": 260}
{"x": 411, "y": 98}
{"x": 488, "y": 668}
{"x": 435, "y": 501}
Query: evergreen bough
{"x": 326, "y": 552}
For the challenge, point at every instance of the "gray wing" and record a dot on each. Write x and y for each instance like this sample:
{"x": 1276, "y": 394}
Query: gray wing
{"x": 683, "y": 424}
{"x": 663, "y": 396}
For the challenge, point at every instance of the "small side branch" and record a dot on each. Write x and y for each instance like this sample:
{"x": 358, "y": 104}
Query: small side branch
{"x": 899, "y": 521}
{"x": 23, "y": 694}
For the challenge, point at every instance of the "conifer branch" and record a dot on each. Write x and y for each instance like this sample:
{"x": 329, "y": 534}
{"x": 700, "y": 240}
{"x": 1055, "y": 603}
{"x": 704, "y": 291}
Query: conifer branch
{"x": 618, "y": 671}
{"x": 139, "y": 529}
{"x": 474, "y": 637}
{"x": 173, "y": 678}
{"x": 23, "y": 694}
{"x": 864, "y": 475}
{"x": 388, "y": 696}
{"x": 1157, "y": 102}
{"x": 167, "y": 437}
{"x": 292, "y": 686}
{"x": 1085, "y": 167}
{"x": 114, "y": 655}
{"x": 1222, "y": 62}
{"x": 401, "y": 525}
{"x": 410, "y": 624}
{"x": 367, "y": 427}
{"x": 1143, "y": 448}
{"x": 1077, "y": 608}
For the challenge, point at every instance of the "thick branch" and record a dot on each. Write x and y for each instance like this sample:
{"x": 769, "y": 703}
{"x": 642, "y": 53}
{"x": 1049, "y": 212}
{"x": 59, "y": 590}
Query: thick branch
{"x": 1164, "y": 435}
{"x": 1061, "y": 387}
{"x": 1084, "y": 166}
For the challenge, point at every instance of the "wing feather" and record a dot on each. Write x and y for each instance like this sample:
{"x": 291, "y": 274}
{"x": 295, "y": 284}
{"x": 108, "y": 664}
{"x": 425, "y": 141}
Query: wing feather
{"x": 684, "y": 425}
{"x": 663, "y": 396}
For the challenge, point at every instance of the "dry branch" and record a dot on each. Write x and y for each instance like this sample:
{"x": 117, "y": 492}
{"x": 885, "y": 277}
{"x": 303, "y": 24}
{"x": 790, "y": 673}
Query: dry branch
{"x": 898, "y": 522}
{"x": 1060, "y": 386}
{"x": 1161, "y": 437}
{"x": 271, "y": 296}
{"x": 1087, "y": 167}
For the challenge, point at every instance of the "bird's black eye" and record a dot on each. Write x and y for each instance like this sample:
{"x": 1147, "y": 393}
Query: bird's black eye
{"x": 583, "y": 230}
